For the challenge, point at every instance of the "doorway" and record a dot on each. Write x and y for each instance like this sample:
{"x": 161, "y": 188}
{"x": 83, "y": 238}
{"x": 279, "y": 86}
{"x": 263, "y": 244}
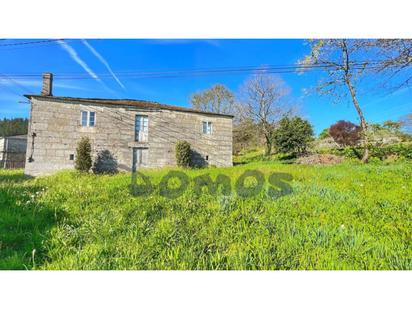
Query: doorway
{"x": 139, "y": 158}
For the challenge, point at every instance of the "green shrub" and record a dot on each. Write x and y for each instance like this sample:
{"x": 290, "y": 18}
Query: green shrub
{"x": 183, "y": 154}
{"x": 402, "y": 150}
{"x": 105, "y": 163}
{"x": 83, "y": 161}
{"x": 293, "y": 135}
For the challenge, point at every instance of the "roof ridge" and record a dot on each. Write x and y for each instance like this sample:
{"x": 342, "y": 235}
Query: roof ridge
{"x": 143, "y": 103}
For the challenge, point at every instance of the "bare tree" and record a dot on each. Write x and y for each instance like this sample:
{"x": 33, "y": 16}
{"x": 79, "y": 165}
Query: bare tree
{"x": 406, "y": 123}
{"x": 217, "y": 99}
{"x": 394, "y": 60}
{"x": 262, "y": 99}
{"x": 344, "y": 61}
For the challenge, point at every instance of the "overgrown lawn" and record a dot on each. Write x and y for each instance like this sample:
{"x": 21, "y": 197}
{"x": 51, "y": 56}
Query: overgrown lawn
{"x": 348, "y": 216}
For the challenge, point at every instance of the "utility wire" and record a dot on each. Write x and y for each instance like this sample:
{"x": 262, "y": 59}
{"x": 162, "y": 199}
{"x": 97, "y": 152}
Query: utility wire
{"x": 30, "y": 42}
{"x": 24, "y": 88}
{"x": 23, "y": 45}
{"x": 270, "y": 69}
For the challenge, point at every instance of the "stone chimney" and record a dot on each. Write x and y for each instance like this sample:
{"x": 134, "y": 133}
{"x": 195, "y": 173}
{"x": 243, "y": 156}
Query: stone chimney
{"x": 47, "y": 84}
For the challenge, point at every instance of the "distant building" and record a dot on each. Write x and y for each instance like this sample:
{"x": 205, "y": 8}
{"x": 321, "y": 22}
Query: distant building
{"x": 13, "y": 151}
{"x": 137, "y": 133}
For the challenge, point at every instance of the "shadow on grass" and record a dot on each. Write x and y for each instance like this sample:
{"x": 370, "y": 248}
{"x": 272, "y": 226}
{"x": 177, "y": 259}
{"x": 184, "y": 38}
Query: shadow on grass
{"x": 24, "y": 226}
{"x": 13, "y": 176}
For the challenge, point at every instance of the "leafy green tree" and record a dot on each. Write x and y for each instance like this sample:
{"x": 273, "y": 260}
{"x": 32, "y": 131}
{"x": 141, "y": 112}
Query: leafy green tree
{"x": 83, "y": 161}
{"x": 15, "y": 126}
{"x": 293, "y": 135}
{"x": 183, "y": 154}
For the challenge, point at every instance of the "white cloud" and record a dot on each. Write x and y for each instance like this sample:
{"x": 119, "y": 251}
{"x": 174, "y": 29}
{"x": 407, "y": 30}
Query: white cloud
{"x": 37, "y": 84}
{"x": 73, "y": 54}
{"x": 24, "y": 82}
{"x": 102, "y": 60}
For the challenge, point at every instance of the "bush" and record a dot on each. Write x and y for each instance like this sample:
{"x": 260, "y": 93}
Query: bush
{"x": 402, "y": 150}
{"x": 293, "y": 135}
{"x": 83, "y": 161}
{"x": 183, "y": 154}
{"x": 105, "y": 163}
{"x": 345, "y": 133}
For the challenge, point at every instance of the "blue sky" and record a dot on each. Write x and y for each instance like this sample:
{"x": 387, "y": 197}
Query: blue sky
{"x": 97, "y": 57}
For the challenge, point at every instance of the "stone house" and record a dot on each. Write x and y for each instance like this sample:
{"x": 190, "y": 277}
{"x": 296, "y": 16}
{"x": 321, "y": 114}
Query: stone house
{"x": 13, "y": 151}
{"x": 137, "y": 133}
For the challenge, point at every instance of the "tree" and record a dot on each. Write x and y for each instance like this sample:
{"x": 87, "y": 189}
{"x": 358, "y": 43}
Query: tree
{"x": 15, "y": 126}
{"x": 217, "y": 99}
{"x": 394, "y": 60}
{"x": 183, "y": 154}
{"x": 293, "y": 135}
{"x": 83, "y": 161}
{"x": 263, "y": 101}
{"x": 345, "y": 133}
{"x": 406, "y": 123}
{"x": 245, "y": 134}
{"x": 344, "y": 63}
{"x": 393, "y": 126}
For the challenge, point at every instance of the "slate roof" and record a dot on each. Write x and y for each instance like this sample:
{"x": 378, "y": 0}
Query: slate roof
{"x": 127, "y": 102}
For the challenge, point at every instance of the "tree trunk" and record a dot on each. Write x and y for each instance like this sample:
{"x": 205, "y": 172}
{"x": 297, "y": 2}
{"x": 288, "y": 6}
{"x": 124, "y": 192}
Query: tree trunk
{"x": 268, "y": 149}
{"x": 365, "y": 157}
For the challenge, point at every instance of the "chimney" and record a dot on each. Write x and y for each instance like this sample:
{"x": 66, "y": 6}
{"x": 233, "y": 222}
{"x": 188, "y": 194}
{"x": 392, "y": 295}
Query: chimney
{"x": 47, "y": 84}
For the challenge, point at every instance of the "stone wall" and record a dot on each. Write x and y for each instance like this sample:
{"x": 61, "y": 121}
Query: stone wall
{"x": 57, "y": 131}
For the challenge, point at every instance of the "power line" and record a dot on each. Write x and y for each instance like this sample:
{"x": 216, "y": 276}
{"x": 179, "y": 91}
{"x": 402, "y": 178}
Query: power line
{"x": 24, "y": 88}
{"x": 10, "y": 89}
{"x": 268, "y": 69}
{"x": 24, "y": 45}
{"x": 30, "y": 42}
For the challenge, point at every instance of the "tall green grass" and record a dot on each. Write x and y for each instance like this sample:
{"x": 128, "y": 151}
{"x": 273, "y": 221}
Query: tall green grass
{"x": 348, "y": 216}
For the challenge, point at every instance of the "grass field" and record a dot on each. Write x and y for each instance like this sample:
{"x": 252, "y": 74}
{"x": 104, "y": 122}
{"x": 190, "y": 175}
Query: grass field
{"x": 347, "y": 216}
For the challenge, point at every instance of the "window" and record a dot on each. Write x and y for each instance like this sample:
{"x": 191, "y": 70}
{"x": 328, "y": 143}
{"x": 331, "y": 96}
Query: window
{"x": 207, "y": 127}
{"x": 92, "y": 117}
{"x": 84, "y": 119}
{"x": 71, "y": 157}
{"x": 88, "y": 119}
{"x": 141, "y": 128}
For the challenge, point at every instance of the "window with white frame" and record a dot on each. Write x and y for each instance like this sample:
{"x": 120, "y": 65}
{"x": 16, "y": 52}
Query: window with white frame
{"x": 87, "y": 118}
{"x": 207, "y": 127}
{"x": 141, "y": 128}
